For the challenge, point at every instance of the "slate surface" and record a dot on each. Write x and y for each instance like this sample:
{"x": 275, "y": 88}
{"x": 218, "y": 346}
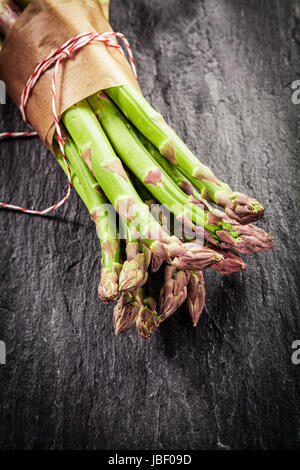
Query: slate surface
{"x": 221, "y": 72}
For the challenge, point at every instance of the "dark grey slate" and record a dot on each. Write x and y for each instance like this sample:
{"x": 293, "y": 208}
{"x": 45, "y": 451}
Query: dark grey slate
{"x": 220, "y": 71}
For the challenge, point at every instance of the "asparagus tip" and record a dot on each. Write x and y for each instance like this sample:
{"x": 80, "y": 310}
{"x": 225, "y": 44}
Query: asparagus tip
{"x": 108, "y": 289}
{"x": 125, "y": 312}
{"x": 148, "y": 320}
{"x": 131, "y": 276}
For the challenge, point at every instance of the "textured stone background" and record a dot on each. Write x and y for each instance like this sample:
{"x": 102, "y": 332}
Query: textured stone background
{"x": 220, "y": 71}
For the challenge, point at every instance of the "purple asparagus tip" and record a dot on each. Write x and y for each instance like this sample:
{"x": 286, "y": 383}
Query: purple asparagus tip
{"x": 196, "y": 296}
{"x": 231, "y": 263}
{"x": 239, "y": 207}
{"x": 147, "y": 320}
{"x": 134, "y": 271}
{"x": 108, "y": 289}
{"x": 242, "y": 238}
{"x": 174, "y": 290}
{"x": 125, "y": 312}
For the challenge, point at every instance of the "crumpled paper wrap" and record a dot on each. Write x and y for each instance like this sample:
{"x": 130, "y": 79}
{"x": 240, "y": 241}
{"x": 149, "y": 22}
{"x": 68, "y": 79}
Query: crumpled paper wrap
{"x": 44, "y": 26}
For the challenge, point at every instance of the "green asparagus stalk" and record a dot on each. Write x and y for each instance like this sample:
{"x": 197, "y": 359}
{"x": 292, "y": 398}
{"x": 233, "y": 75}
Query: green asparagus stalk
{"x": 152, "y": 125}
{"x": 146, "y": 196}
{"x": 174, "y": 290}
{"x": 143, "y": 192}
{"x": 136, "y": 307}
{"x": 214, "y": 225}
{"x": 100, "y": 212}
{"x": 74, "y": 178}
{"x": 195, "y": 296}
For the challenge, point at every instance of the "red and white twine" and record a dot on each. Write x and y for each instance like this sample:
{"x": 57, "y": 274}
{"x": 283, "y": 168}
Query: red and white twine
{"x": 55, "y": 58}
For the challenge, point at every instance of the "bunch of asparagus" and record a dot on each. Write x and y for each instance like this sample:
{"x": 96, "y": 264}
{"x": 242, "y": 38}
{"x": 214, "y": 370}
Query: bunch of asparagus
{"x": 142, "y": 184}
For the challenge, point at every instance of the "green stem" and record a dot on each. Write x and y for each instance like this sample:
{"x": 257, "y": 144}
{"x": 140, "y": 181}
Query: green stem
{"x": 95, "y": 201}
{"x": 74, "y": 178}
{"x": 143, "y": 192}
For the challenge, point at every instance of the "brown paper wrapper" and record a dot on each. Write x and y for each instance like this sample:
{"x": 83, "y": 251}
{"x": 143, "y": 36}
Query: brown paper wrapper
{"x": 44, "y": 26}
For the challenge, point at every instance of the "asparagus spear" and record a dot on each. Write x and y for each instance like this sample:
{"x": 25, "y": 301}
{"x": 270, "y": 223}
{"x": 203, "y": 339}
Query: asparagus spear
{"x": 195, "y": 296}
{"x": 152, "y": 125}
{"x": 100, "y": 212}
{"x": 74, "y": 178}
{"x": 137, "y": 306}
{"x": 143, "y": 192}
{"x": 173, "y": 292}
{"x": 218, "y": 228}
{"x": 146, "y": 196}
